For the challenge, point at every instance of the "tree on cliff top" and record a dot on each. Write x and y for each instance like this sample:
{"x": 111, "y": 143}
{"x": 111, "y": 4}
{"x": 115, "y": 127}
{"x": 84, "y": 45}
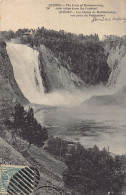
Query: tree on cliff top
{"x": 24, "y": 124}
{"x": 84, "y": 54}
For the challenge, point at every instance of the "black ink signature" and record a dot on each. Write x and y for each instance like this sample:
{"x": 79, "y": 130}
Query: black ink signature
{"x": 95, "y": 19}
{"x": 119, "y": 19}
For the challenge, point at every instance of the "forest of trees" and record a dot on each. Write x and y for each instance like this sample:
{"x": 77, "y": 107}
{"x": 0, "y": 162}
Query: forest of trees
{"x": 89, "y": 171}
{"x": 95, "y": 172}
{"x": 84, "y": 54}
{"x": 23, "y": 124}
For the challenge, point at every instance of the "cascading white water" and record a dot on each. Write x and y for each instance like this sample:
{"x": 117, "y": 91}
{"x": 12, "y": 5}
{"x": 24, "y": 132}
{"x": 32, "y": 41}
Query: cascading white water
{"x": 26, "y": 71}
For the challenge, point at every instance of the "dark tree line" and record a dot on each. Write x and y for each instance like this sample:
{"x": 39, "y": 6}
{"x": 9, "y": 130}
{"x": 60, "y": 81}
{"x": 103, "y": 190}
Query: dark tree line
{"x": 6, "y": 35}
{"x": 89, "y": 171}
{"x": 23, "y": 123}
{"x": 84, "y": 54}
{"x": 95, "y": 172}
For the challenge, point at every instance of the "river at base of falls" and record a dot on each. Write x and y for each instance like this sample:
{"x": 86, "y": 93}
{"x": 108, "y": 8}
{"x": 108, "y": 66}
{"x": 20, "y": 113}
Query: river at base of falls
{"x": 104, "y": 126}
{"x": 101, "y": 125}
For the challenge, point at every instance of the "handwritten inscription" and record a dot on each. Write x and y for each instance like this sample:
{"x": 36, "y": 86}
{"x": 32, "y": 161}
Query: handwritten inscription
{"x": 96, "y": 12}
{"x": 95, "y": 19}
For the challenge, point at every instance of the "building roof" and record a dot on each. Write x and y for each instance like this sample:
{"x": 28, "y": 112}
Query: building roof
{"x": 26, "y": 33}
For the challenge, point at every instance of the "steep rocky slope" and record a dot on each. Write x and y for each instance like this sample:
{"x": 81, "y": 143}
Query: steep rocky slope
{"x": 9, "y": 90}
{"x": 117, "y": 62}
{"x": 49, "y": 168}
{"x": 117, "y": 80}
{"x": 54, "y": 75}
{"x": 8, "y": 155}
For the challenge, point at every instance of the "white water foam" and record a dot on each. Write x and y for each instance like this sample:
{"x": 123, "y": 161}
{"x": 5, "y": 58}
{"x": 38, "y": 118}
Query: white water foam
{"x": 26, "y": 71}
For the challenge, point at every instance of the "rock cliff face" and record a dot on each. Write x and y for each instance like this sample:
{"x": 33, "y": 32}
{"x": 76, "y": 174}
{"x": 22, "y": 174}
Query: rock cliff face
{"x": 117, "y": 80}
{"x": 117, "y": 62}
{"x": 54, "y": 75}
{"x": 9, "y": 90}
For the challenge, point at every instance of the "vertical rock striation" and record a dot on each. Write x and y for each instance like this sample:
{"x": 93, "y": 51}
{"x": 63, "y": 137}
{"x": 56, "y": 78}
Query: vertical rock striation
{"x": 117, "y": 63}
{"x": 54, "y": 75}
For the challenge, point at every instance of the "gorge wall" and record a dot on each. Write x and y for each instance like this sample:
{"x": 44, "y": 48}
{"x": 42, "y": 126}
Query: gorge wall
{"x": 117, "y": 62}
{"x": 117, "y": 80}
{"x": 40, "y": 75}
{"x": 39, "y": 71}
{"x": 55, "y": 76}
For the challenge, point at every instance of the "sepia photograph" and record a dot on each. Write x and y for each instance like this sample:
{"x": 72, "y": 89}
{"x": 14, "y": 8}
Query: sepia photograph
{"x": 63, "y": 97}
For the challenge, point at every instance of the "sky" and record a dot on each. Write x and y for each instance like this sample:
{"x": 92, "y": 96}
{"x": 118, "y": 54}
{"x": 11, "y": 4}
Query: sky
{"x": 15, "y": 14}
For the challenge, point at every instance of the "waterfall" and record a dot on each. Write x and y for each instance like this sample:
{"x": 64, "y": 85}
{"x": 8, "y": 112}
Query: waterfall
{"x": 26, "y": 71}
{"x": 27, "y": 74}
